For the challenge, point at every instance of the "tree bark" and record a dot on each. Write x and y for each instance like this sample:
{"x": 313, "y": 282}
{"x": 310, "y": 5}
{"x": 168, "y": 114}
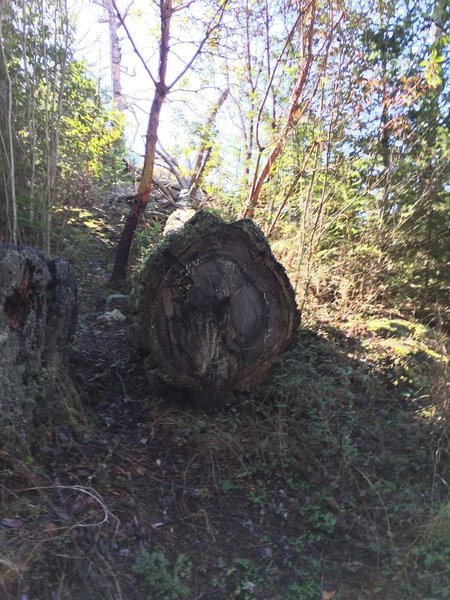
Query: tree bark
{"x": 205, "y": 149}
{"x": 213, "y": 307}
{"x": 162, "y": 88}
{"x": 294, "y": 113}
{"x": 37, "y": 320}
{"x": 120, "y": 269}
{"x": 116, "y": 56}
{"x": 8, "y": 147}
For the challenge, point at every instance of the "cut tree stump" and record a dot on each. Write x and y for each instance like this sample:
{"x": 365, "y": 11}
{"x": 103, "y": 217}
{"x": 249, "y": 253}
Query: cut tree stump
{"x": 213, "y": 307}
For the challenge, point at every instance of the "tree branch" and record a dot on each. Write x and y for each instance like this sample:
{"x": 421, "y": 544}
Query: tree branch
{"x": 205, "y": 149}
{"x": 130, "y": 37}
{"x": 173, "y": 168}
{"x": 212, "y": 26}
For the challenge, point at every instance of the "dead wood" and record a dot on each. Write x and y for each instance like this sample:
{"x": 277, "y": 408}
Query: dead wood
{"x": 213, "y": 306}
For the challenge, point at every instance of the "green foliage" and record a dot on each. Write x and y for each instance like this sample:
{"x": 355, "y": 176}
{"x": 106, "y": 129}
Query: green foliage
{"x": 357, "y": 203}
{"x": 146, "y": 240}
{"x": 62, "y": 140}
{"x": 305, "y": 591}
{"x": 433, "y": 68}
{"x": 388, "y": 328}
{"x": 92, "y": 134}
{"x": 431, "y": 553}
{"x": 160, "y": 579}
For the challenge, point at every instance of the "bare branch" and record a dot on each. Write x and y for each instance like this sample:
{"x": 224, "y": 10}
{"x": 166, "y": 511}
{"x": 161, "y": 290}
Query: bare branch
{"x": 295, "y": 111}
{"x": 183, "y": 6}
{"x": 300, "y": 173}
{"x": 130, "y": 37}
{"x": 205, "y": 149}
{"x": 274, "y": 71}
{"x": 212, "y": 26}
{"x": 291, "y": 118}
{"x": 173, "y": 167}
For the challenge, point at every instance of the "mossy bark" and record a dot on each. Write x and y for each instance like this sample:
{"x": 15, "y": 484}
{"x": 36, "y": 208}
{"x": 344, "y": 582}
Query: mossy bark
{"x": 37, "y": 320}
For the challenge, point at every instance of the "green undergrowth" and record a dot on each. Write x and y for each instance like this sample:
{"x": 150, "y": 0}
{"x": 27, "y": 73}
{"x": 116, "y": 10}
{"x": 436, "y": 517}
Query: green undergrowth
{"x": 85, "y": 236}
{"x": 162, "y": 580}
{"x": 333, "y": 475}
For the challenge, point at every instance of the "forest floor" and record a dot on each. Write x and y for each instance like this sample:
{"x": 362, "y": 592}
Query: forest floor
{"x": 331, "y": 480}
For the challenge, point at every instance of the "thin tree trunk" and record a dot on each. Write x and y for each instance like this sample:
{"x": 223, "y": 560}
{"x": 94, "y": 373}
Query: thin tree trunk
{"x": 273, "y": 124}
{"x": 120, "y": 269}
{"x": 114, "y": 25}
{"x": 53, "y": 110}
{"x": 204, "y": 152}
{"x": 45, "y": 207}
{"x": 56, "y": 113}
{"x": 30, "y": 91}
{"x": 293, "y": 115}
{"x": 116, "y": 57}
{"x": 13, "y": 224}
{"x": 385, "y": 139}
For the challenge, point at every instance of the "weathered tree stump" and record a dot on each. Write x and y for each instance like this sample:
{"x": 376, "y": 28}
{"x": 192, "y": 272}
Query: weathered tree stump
{"x": 213, "y": 307}
{"x": 37, "y": 319}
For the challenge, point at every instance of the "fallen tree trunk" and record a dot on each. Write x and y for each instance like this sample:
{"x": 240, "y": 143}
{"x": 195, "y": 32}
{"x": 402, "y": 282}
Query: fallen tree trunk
{"x": 213, "y": 307}
{"x": 37, "y": 320}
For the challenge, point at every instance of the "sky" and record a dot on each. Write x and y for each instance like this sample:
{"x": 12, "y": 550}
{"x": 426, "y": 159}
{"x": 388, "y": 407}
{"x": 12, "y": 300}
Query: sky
{"x": 92, "y": 44}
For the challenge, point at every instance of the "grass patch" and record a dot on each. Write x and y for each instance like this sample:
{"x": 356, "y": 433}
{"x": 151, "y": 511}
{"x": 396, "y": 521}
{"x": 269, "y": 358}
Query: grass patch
{"x": 161, "y": 579}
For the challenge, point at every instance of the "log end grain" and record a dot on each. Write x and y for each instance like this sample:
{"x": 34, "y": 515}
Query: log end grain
{"x": 214, "y": 307}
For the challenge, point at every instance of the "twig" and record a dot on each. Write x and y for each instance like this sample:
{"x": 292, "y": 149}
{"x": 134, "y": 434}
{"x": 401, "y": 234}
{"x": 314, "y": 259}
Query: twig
{"x": 130, "y": 37}
{"x": 77, "y": 488}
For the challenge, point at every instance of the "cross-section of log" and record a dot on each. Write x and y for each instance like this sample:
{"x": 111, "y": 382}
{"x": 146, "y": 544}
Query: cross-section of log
{"x": 213, "y": 306}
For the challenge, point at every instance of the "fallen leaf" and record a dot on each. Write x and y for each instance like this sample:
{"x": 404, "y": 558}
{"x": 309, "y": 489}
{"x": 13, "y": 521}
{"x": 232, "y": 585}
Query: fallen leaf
{"x": 13, "y": 523}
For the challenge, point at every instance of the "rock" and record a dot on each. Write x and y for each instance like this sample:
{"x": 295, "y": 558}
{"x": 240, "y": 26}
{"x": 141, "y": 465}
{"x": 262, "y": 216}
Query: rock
{"x": 177, "y": 219}
{"x": 111, "y": 316}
